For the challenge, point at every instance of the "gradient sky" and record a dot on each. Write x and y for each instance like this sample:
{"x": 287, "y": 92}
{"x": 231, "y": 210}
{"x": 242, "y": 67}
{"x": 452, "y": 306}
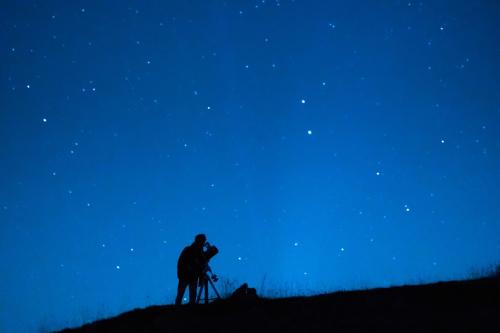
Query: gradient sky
{"x": 321, "y": 145}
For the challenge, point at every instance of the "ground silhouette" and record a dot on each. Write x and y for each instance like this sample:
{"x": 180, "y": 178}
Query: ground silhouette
{"x": 454, "y": 306}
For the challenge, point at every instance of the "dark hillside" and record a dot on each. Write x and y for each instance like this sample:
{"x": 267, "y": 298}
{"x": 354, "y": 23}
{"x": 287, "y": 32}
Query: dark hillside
{"x": 457, "y": 306}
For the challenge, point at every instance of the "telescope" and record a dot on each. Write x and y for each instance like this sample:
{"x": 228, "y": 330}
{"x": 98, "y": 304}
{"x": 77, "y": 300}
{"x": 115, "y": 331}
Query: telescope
{"x": 209, "y": 251}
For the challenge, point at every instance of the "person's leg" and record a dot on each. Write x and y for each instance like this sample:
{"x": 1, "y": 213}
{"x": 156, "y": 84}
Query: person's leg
{"x": 181, "y": 288}
{"x": 192, "y": 291}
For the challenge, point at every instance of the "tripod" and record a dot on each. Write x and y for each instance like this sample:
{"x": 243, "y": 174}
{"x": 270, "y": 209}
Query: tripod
{"x": 207, "y": 277}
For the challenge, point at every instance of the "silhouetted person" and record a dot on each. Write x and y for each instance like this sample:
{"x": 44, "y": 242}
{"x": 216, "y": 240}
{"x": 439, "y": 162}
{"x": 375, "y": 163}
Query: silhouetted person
{"x": 189, "y": 269}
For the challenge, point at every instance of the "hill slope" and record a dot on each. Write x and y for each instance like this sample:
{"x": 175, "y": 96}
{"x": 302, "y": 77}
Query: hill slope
{"x": 457, "y": 306}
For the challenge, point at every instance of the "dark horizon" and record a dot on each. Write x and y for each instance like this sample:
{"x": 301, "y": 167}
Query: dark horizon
{"x": 452, "y": 306}
{"x": 319, "y": 145}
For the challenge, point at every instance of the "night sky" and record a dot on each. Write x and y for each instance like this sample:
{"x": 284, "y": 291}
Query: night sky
{"x": 320, "y": 145}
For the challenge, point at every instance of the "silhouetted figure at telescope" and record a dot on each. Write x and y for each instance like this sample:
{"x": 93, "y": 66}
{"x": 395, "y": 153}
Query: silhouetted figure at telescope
{"x": 189, "y": 268}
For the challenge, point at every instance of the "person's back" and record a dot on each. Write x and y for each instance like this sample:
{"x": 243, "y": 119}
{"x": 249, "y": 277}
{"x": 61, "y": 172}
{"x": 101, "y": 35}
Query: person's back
{"x": 187, "y": 265}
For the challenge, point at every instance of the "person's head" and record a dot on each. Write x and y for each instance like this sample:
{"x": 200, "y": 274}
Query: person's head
{"x": 200, "y": 240}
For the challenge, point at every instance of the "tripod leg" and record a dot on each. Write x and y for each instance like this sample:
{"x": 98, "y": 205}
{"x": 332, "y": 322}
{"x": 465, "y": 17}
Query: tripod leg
{"x": 199, "y": 293}
{"x": 215, "y": 289}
